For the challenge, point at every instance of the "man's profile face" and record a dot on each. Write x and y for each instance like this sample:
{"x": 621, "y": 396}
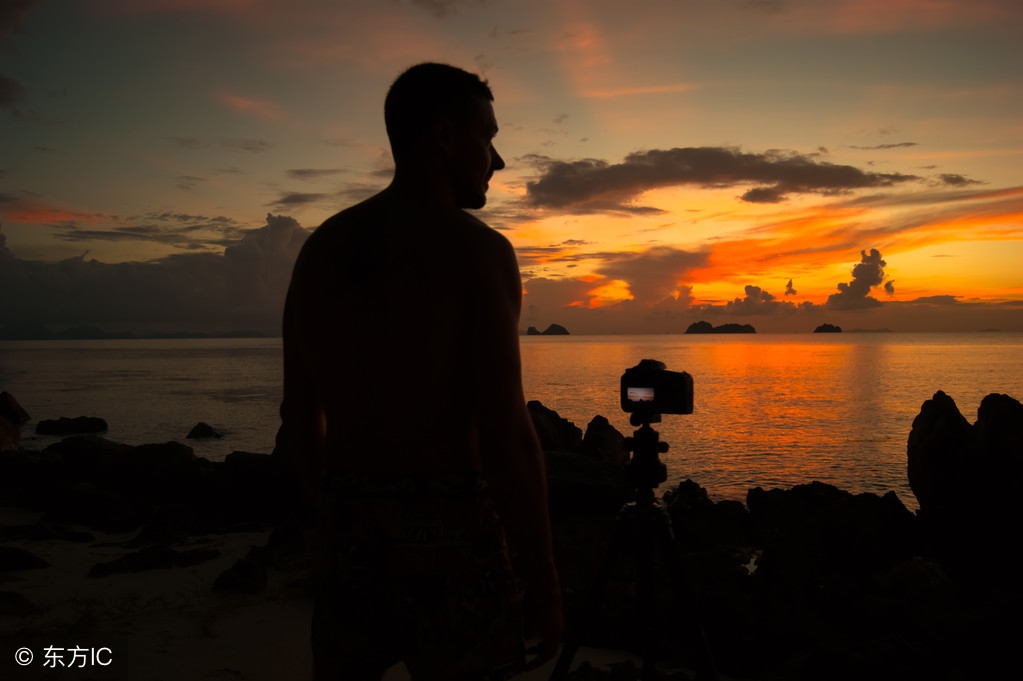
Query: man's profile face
{"x": 474, "y": 158}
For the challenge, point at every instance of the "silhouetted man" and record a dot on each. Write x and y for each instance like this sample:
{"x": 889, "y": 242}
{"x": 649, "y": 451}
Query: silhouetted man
{"x": 404, "y": 404}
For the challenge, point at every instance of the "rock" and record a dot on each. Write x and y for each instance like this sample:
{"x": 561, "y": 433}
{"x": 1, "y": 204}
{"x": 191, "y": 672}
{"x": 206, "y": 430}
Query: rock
{"x": 966, "y": 479}
{"x": 15, "y": 558}
{"x": 11, "y": 410}
{"x": 552, "y": 330}
{"x": 90, "y": 457}
{"x": 603, "y": 442}
{"x": 936, "y": 454}
{"x": 246, "y": 576}
{"x": 15, "y": 605}
{"x": 202, "y": 430}
{"x": 67, "y": 426}
{"x": 10, "y": 435}
{"x": 707, "y": 327}
{"x": 555, "y": 433}
{"x": 153, "y": 558}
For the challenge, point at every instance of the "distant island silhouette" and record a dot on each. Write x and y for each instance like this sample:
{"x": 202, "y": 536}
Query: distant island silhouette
{"x": 552, "y": 330}
{"x": 43, "y": 332}
{"x": 707, "y": 327}
{"x": 828, "y": 328}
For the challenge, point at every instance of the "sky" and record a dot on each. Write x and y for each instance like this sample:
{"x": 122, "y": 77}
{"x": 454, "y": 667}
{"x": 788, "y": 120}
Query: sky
{"x": 782, "y": 163}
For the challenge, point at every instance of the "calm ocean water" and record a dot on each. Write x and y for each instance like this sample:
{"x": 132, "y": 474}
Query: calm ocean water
{"x": 771, "y": 410}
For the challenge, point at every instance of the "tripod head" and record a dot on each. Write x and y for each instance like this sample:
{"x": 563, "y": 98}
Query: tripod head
{"x": 645, "y": 470}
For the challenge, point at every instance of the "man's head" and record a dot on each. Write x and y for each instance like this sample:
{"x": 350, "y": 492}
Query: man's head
{"x": 436, "y": 109}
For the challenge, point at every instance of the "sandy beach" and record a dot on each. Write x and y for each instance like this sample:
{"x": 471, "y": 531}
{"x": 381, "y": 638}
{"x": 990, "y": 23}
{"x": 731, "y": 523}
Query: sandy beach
{"x": 161, "y": 624}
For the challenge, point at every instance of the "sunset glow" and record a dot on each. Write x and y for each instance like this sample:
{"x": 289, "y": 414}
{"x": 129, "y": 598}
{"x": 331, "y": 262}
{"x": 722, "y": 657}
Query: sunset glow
{"x": 666, "y": 162}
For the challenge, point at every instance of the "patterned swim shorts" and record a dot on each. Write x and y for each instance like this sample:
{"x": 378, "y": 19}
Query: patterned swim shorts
{"x": 416, "y": 570}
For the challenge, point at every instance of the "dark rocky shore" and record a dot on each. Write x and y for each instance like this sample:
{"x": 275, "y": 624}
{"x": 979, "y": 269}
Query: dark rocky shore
{"x": 808, "y": 583}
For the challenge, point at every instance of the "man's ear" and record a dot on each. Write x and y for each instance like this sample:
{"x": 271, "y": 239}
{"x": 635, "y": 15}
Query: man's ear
{"x": 443, "y": 133}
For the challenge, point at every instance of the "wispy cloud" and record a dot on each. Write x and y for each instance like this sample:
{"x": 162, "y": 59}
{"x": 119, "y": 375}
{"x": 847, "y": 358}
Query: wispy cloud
{"x": 263, "y": 109}
{"x": 251, "y": 146}
{"x": 313, "y": 173}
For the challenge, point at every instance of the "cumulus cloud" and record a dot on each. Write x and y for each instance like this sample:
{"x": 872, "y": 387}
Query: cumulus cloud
{"x": 594, "y": 185}
{"x": 655, "y": 274}
{"x": 855, "y": 295}
{"x": 789, "y": 290}
{"x": 241, "y": 288}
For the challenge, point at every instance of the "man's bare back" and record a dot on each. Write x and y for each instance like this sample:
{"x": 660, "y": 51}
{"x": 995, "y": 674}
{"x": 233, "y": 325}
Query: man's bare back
{"x": 404, "y": 308}
{"x": 402, "y": 362}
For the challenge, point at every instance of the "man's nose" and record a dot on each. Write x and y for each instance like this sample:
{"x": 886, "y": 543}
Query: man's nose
{"x": 496, "y": 162}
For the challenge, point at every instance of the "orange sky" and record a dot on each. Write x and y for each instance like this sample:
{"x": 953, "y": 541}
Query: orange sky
{"x": 667, "y": 162}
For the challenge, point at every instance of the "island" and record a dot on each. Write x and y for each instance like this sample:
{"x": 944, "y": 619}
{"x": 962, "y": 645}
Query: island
{"x": 552, "y": 330}
{"x": 828, "y": 328}
{"x": 707, "y": 327}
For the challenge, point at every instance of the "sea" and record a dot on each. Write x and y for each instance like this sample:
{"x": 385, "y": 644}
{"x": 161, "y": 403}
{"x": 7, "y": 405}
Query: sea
{"x": 770, "y": 410}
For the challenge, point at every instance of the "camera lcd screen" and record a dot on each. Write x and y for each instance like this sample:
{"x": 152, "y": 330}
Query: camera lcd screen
{"x": 640, "y": 394}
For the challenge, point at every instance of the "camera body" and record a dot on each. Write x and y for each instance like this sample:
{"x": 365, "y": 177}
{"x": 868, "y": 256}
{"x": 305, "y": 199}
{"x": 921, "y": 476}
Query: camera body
{"x": 649, "y": 387}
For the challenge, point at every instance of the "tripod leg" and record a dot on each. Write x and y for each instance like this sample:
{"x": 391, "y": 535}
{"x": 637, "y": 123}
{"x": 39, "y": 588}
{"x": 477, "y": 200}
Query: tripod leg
{"x": 682, "y": 586}
{"x": 618, "y": 545}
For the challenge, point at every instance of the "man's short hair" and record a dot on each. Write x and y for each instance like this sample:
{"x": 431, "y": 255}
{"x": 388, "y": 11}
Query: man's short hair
{"x": 422, "y": 94}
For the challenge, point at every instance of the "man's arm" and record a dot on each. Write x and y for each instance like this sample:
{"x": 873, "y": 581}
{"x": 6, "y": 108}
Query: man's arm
{"x": 302, "y": 411}
{"x": 509, "y": 448}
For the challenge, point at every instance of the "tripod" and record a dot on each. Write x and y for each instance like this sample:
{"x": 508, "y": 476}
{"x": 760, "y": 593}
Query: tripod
{"x": 642, "y": 527}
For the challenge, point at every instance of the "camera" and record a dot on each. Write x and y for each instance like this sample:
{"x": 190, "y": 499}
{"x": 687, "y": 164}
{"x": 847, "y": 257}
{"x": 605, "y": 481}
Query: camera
{"x": 649, "y": 387}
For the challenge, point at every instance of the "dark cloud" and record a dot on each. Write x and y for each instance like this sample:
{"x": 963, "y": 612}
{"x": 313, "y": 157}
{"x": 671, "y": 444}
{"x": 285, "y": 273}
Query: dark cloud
{"x": 889, "y": 287}
{"x": 956, "y": 180}
{"x": 241, "y": 288}
{"x": 594, "y": 185}
{"x": 312, "y": 173}
{"x": 181, "y": 230}
{"x": 295, "y": 199}
{"x": 856, "y": 294}
{"x": 886, "y": 146}
{"x": 251, "y": 146}
{"x": 789, "y": 290}
{"x": 655, "y": 274}
{"x": 937, "y": 300}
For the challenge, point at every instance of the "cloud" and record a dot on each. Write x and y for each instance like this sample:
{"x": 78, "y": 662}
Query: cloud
{"x": 181, "y": 230}
{"x": 889, "y": 287}
{"x": 855, "y": 295}
{"x": 655, "y": 274}
{"x": 295, "y": 199}
{"x": 241, "y": 288}
{"x": 594, "y": 185}
{"x": 251, "y": 146}
{"x": 956, "y": 180}
{"x": 312, "y": 173}
{"x": 789, "y": 291}
{"x": 886, "y": 146}
{"x": 262, "y": 109}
